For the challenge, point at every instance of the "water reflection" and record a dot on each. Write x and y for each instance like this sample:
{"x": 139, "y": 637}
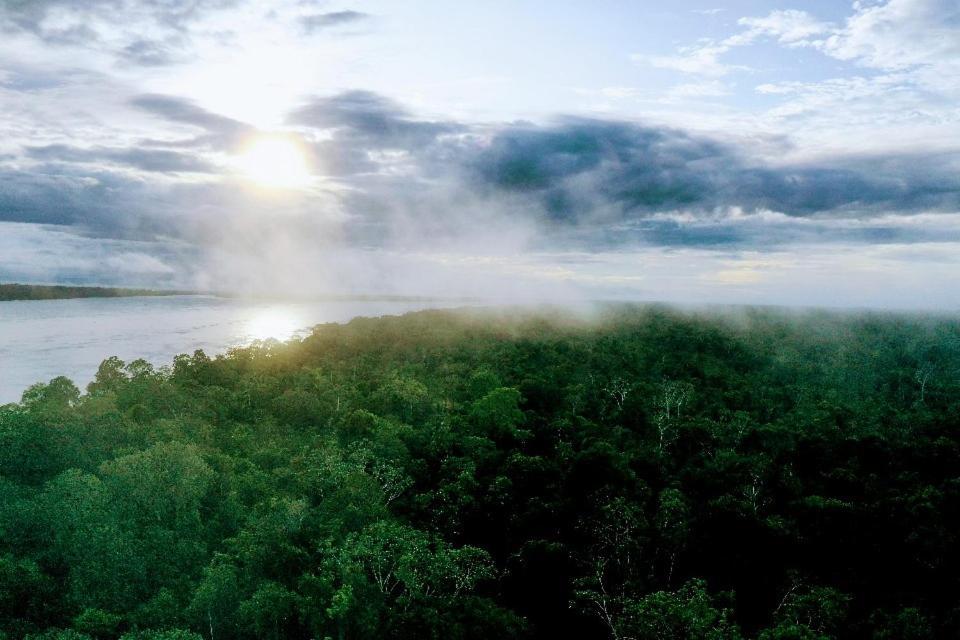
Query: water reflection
{"x": 277, "y": 323}
{"x": 42, "y": 339}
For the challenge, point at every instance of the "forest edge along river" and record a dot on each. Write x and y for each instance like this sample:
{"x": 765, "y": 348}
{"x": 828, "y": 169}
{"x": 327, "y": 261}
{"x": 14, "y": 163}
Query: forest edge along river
{"x": 43, "y": 339}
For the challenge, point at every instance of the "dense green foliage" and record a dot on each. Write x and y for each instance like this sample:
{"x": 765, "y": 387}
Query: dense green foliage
{"x": 649, "y": 474}
{"x": 59, "y": 292}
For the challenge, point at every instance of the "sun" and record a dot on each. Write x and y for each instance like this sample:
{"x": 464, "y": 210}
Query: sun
{"x": 274, "y": 161}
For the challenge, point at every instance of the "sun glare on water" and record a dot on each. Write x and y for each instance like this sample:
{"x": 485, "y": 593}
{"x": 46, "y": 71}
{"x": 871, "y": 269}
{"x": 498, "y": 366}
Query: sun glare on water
{"x": 278, "y": 324}
{"x": 274, "y": 161}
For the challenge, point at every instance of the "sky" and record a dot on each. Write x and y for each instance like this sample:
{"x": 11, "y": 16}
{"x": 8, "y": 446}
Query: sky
{"x": 757, "y": 152}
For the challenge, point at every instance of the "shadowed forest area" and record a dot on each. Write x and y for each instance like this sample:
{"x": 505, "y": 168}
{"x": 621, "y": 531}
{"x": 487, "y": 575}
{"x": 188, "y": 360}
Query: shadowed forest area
{"x": 641, "y": 473}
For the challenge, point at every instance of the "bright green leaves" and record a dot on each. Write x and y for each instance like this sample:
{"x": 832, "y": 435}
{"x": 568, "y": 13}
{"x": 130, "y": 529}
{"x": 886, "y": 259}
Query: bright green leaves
{"x": 163, "y": 485}
{"x": 498, "y": 414}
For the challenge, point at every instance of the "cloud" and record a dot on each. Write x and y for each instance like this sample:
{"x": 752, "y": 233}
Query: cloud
{"x": 582, "y": 169}
{"x": 708, "y": 12}
{"x": 703, "y": 59}
{"x": 885, "y": 78}
{"x": 151, "y": 160}
{"x": 396, "y": 192}
{"x": 367, "y": 130}
{"x": 48, "y": 18}
{"x": 592, "y": 183}
{"x": 152, "y": 53}
{"x": 891, "y": 36}
{"x": 375, "y": 119}
{"x": 40, "y": 253}
{"x": 920, "y": 36}
{"x": 321, "y": 21}
{"x": 905, "y": 90}
{"x": 899, "y": 34}
{"x": 394, "y": 175}
{"x": 789, "y": 27}
{"x": 146, "y": 33}
{"x": 110, "y": 204}
{"x": 183, "y": 110}
{"x": 221, "y": 131}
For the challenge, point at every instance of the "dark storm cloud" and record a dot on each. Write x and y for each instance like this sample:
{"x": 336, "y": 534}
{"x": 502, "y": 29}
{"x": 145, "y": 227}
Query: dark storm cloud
{"x": 576, "y": 167}
{"x": 64, "y": 196}
{"x": 331, "y": 19}
{"x": 34, "y": 197}
{"x": 579, "y": 167}
{"x": 592, "y": 173}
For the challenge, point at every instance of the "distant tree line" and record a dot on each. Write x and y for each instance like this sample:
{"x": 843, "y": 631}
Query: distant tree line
{"x": 647, "y": 474}
{"x": 58, "y": 292}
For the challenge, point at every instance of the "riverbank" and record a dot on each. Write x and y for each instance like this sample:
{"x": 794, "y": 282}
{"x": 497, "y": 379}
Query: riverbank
{"x": 14, "y": 291}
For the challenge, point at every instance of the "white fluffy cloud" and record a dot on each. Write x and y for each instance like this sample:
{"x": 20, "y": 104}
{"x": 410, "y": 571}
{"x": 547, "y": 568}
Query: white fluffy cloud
{"x": 900, "y": 34}
{"x": 790, "y": 27}
{"x": 885, "y": 77}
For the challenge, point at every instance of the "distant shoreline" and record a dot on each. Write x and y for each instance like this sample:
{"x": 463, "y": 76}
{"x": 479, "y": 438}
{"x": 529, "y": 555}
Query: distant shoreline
{"x": 14, "y": 291}
{"x": 10, "y": 292}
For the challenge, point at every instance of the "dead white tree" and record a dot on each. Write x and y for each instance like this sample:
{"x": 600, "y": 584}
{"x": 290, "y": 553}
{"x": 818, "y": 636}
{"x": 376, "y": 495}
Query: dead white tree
{"x": 922, "y": 376}
{"x": 673, "y": 396}
{"x": 618, "y": 389}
